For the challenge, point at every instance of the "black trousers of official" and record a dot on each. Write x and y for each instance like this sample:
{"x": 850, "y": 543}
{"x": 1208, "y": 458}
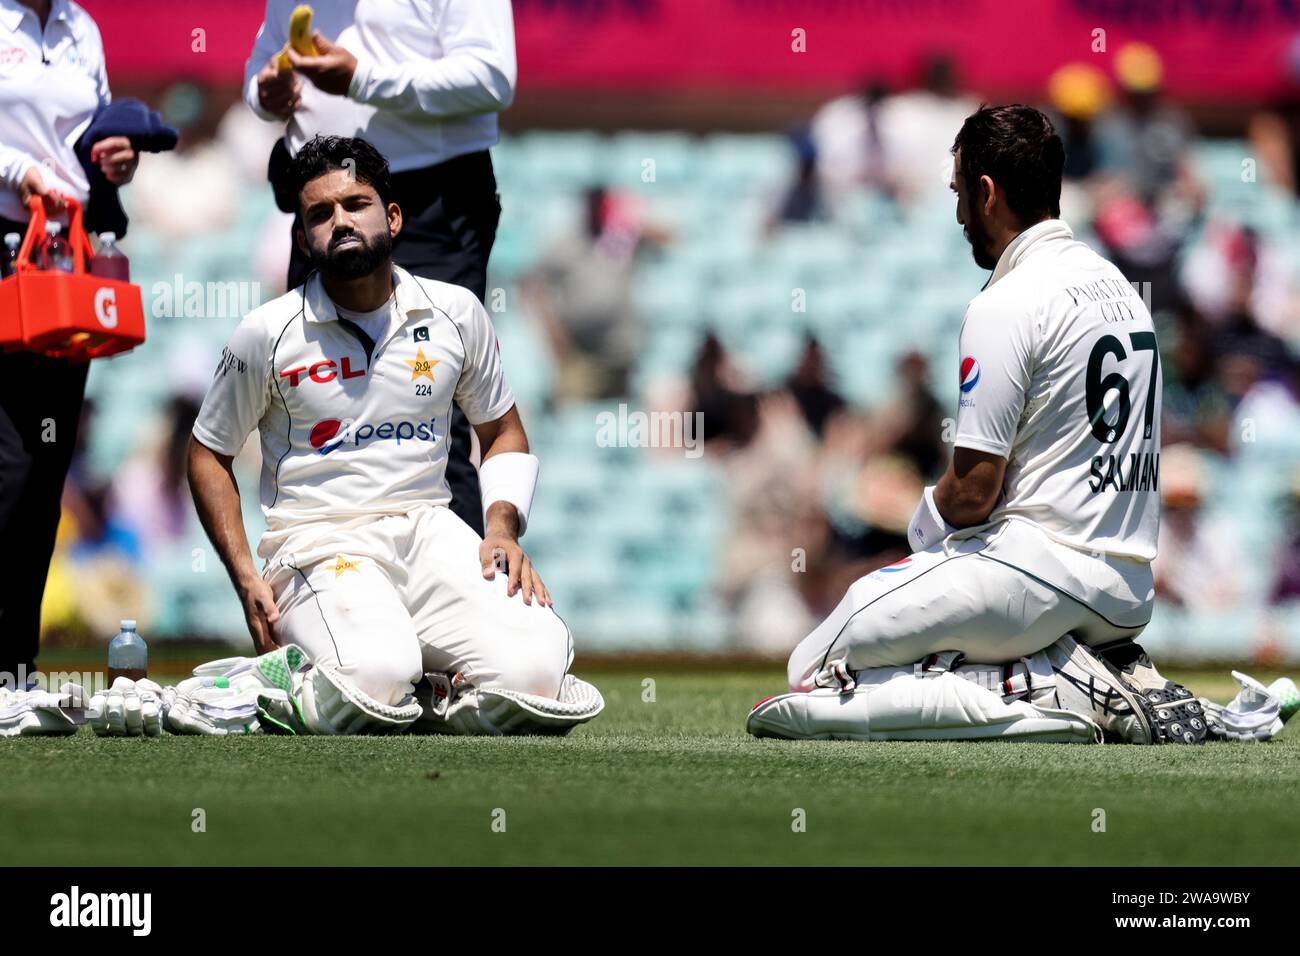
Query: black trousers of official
{"x": 40, "y": 409}
{"x": 449, "y": 222}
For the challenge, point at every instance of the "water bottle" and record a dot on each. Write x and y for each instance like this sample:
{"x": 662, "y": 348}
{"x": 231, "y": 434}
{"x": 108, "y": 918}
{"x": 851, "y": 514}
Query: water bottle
{"x": 58, "y": 254}
{"x": 110, "y": 262}
{"x": 9, "y": 260}
{"x": 127, "y": 654}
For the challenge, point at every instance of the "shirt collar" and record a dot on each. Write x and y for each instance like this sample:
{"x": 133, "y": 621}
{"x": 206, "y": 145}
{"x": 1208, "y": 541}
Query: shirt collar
{"x": 12, "y": 12}
{"x": 1036, "y": 235}
{"x": 319, "y": 307}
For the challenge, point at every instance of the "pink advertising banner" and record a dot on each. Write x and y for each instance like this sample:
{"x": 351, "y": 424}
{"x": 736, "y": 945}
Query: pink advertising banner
{"x": 1213, "y": 49}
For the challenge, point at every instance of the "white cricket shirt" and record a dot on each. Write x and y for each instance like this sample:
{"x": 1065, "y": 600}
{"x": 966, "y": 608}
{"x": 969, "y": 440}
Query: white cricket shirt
{"x": 1060, "y": 374}
{"x": 52, "y": 83}
{"x": 350, "y": 424}
{"x": 431, "y": 75}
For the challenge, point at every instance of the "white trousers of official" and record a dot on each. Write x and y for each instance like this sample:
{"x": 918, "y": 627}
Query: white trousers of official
{"x": 950, "y": 597}
{"x": 389, "y": 598}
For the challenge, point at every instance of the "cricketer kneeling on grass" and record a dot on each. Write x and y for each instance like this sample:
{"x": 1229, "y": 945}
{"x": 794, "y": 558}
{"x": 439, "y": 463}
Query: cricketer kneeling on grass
{"x": 1031, "y": 576}
{"x": 371, "y": 584}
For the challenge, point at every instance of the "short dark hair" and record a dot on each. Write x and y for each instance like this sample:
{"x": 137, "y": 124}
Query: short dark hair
{"x": 321, "y": 154}
{"x": 1018, "y": 148}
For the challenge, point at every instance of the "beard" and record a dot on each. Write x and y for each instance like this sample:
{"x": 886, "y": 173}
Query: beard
{"x": 978, "y": 238}
{"x": 355, "y": 260}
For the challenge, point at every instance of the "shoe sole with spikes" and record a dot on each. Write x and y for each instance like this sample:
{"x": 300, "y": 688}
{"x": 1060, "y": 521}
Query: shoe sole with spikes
{"x": 1173, "y": 710}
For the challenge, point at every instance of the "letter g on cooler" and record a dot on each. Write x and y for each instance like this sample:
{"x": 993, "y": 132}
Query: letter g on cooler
{"x": 106, "y": 306}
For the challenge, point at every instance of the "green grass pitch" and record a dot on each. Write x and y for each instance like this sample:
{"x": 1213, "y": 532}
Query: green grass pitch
{"x": 673, "y": 781}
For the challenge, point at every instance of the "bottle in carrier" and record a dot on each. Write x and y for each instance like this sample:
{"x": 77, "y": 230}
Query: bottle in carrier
{"x": 127, "y": 655}
{"x": 9, "y": 259}
{"x": 57, "y": 253}
{"x": 110, "y": 262}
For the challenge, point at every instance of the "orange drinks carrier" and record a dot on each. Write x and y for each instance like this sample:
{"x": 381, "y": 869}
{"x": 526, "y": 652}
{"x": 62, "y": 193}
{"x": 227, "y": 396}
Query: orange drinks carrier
{"x": 73, "y": 315}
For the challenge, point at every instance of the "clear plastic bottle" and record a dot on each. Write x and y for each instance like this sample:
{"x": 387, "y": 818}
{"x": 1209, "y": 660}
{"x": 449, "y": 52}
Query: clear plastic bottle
{"x": 57, "y": 253}
{"x": 127, "y": 654}
{"x": 110, "y": 262}
{"x": 8, "y": 263}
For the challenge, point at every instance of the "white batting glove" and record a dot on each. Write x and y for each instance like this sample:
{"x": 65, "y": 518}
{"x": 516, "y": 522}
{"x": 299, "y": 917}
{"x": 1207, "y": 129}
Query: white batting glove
{"x": 40, "y": 713}
{"x": 127, "y": 709}
{"x": 211, "y": 707}
{"x": 1254, "y": 714}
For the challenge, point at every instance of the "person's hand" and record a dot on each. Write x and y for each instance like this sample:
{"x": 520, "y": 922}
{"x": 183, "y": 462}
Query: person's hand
{"x": 501, "y": 547}
{"x": 117, "y": 159}
{"x": 34, "y": 185}
{"x": 522, "y": 576}
{"x": 330, "y": 71}
{"x": 278, "y": 91}
{"x": 260, "y": 612}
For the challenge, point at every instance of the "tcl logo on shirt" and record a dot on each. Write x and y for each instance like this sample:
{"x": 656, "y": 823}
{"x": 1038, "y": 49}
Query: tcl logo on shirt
{"x": 11, "y": 56}
{"x": 326, "y": 370}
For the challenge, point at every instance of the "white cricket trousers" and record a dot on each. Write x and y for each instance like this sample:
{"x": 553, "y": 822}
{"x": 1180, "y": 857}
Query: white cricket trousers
{"x": 954, "y": 596}
{"x": 389, "y": 598}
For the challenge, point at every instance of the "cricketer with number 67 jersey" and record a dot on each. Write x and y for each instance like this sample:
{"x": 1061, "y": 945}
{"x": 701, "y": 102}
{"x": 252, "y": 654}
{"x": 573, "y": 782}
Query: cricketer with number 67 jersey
{"x": 1030, "y": 572}
{"x": 1060, "y": 374}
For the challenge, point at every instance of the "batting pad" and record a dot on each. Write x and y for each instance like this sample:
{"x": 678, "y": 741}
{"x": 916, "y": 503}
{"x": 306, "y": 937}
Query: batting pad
{"x": 908, "y": 707}
{"x": 499, "y": 711}
{"x": 333, "y": 705}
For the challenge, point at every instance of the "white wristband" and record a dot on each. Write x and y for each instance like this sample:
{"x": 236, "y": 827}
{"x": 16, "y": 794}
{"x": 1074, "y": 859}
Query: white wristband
{"x": 927, "y": 527}
{"x": 510, "y": 476}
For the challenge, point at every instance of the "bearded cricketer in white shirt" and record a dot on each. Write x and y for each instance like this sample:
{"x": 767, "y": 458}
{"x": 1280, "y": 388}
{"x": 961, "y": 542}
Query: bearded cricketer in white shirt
{"x": 370, "y": 581}
{"x": 423, "y": 83}
{"x": 1015, "y": 616}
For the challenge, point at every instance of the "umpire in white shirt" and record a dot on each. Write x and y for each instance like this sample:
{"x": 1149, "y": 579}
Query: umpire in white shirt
{"x": 423, "y": 82}
{"x": 52, "y": 83}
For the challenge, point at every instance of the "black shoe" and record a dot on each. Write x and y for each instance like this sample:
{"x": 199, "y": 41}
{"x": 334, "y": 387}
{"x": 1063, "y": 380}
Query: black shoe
{"x": 1172, "y": 710}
